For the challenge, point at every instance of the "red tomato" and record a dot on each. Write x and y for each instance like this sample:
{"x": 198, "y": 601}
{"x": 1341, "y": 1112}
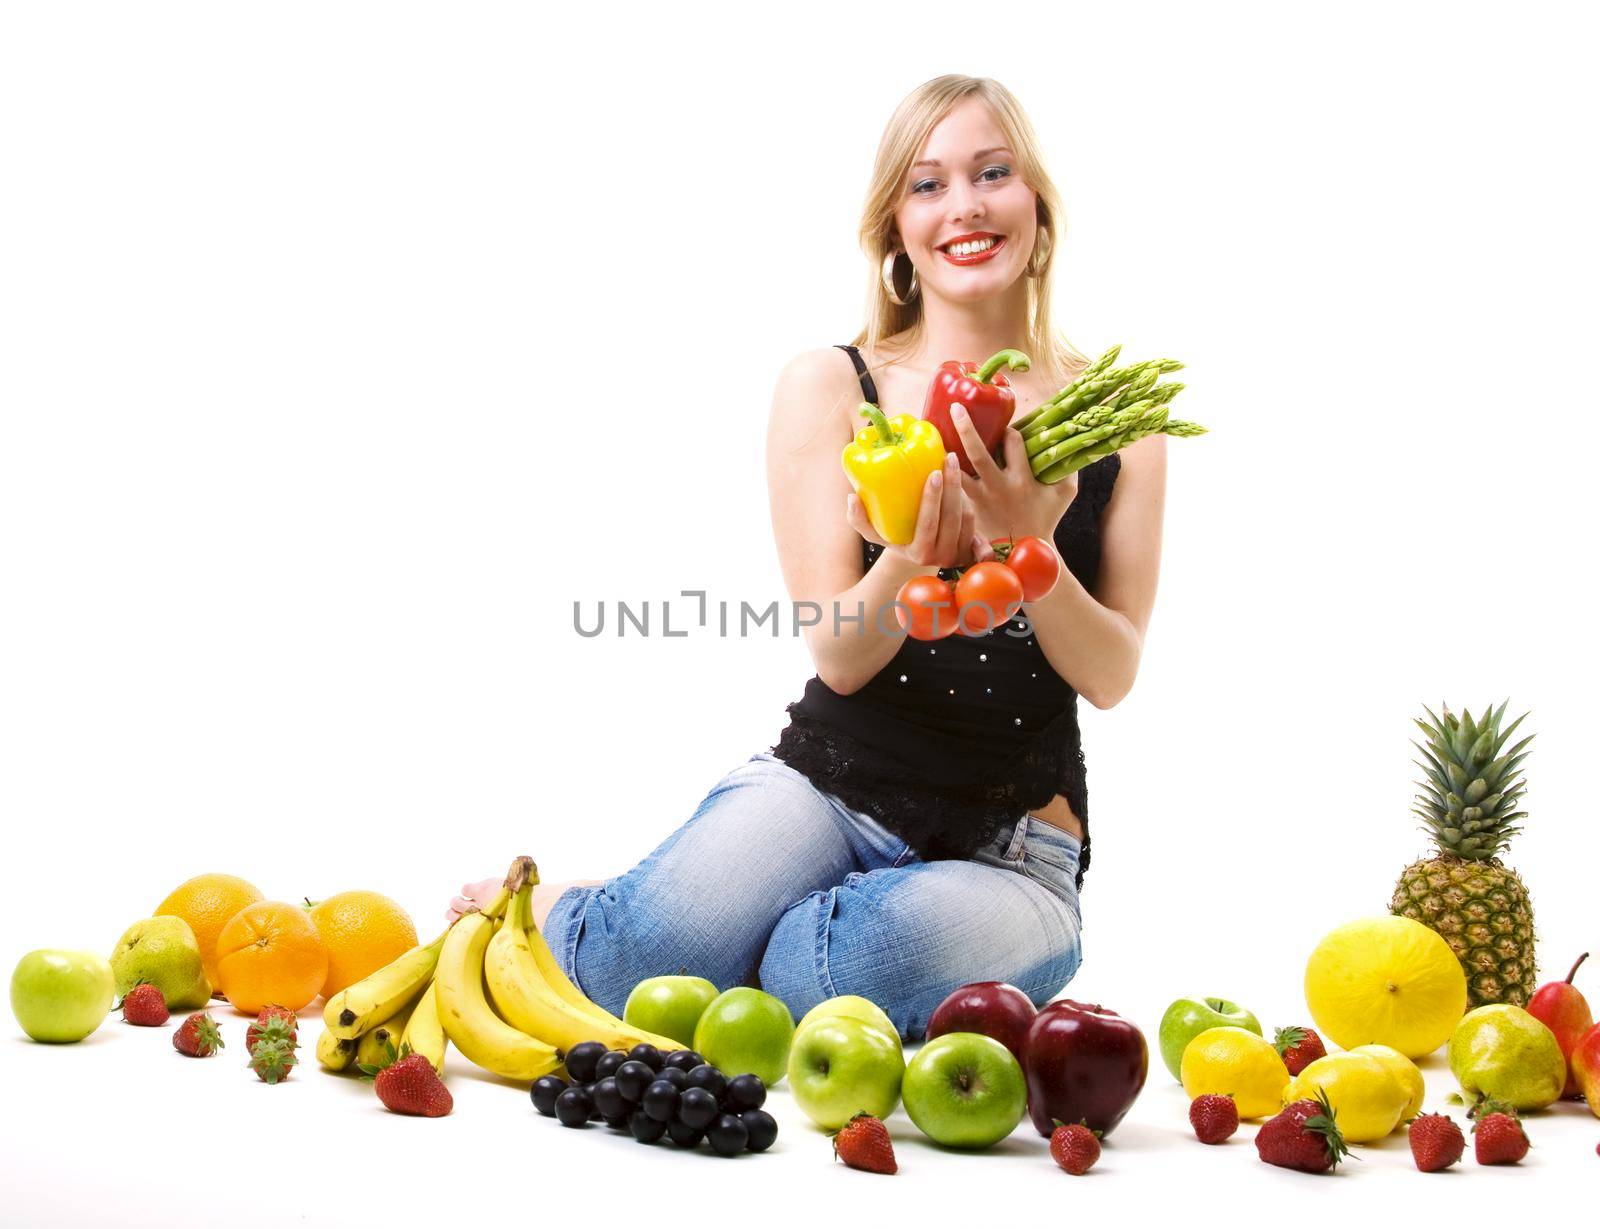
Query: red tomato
{"x": 1037, "y": 566}
{"x": 987, "y": 595}
{"x": 926, "y": 608}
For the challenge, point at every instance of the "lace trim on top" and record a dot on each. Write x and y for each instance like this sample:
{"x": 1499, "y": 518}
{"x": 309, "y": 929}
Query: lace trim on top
{"x": 941, "y": 820}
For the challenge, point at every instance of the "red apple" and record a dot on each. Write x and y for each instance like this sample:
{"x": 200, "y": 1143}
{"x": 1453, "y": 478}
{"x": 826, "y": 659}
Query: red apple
{"x": 1585, "y": 1068}
{"x": 1083, "y": 1063}
{"x": 994, "y": 1008}
{"x": 1561, "y": 1007}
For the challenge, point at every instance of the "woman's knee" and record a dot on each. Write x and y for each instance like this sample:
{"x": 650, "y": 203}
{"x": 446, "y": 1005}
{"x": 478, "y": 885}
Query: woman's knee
{"x": 794, "y": 965}
{"x": 889, "y": 949}
{"x": 901, "y": 941}
{"x": 845, "y": 941}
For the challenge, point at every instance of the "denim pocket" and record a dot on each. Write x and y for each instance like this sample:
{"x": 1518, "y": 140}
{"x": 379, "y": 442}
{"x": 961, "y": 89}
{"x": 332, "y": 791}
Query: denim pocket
{"x": 1004, "y": 850}
{"x": 1049, "y": 856}
{"x": 1060, "y": 863}
{"x": 1057, "y": 880}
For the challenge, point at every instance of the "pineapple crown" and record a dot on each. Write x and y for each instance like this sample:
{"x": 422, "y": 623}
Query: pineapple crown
{"x": 1472, "y": 788}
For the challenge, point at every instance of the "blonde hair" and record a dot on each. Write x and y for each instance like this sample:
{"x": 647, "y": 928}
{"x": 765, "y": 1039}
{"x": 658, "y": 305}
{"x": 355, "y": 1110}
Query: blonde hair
{"x": 903, "y": 138}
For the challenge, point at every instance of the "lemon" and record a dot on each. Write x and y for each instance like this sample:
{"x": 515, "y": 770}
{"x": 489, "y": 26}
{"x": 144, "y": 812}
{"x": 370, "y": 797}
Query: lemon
{"x": 1237, "y": 1063}
{"x": 1366, "y": 1098}
{"x": 1404, "y": 1070}
{"x": 1387, "y": 980}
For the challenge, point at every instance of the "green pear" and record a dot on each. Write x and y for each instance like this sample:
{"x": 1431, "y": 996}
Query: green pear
{"x": 1506, "y": 1054}
{"x": 163, "y": 952}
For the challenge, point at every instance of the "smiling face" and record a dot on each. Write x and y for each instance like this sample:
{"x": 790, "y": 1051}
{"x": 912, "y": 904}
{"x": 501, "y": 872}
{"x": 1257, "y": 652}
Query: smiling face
{"x": 966, "y": 218}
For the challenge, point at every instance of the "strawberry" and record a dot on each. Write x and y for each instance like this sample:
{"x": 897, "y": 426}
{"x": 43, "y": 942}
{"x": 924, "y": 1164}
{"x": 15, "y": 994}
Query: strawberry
{"x": 1305, "y": 1136}
{"x": 1497, "y": 1136}
{"x": 198, "y": 1036}
{"x": 1436, "y": 1142}
{"x": 274, "y": 1023}
{"x": 1299, "y": 1047}
{"x": 144, "y": 1005}
{"x": 272, "y": 1059}
{"x": 1214, "y": 1117}
{"x": 411, "y": 1086}
{"x": 863, "y": 1143}
{"x": 1075, "y": 1148}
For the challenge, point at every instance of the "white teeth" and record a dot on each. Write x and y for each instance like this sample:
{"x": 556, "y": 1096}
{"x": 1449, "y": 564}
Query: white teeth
{"x": 967, "y": 249}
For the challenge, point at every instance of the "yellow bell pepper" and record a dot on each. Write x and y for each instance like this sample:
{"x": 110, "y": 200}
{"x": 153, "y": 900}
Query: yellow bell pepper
{"x": 888, "y": 464}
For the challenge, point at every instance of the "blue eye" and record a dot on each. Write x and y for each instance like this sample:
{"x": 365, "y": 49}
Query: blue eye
{"x": 1005, "y": 172}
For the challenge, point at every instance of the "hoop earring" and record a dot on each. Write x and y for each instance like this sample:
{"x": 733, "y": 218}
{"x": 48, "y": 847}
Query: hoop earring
{"x": 1039, "y": 255}
{"x": 888, "y": 281}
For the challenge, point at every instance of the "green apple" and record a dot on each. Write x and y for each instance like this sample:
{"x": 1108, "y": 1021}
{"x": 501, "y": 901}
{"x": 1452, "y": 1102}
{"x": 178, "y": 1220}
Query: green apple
{"x": 163, "y": 952}
{"x": 61, "y": 996}
{"x": 670, "y": 1006}
{"x": 1507, "y": 1054}
{"x": 746, "y": 1030}
{"x": 964, "y": 1090}
{"x": 1186, "y": 1019}
{"x": 852, "y": 1006}
{"x": 840, "y": 1067}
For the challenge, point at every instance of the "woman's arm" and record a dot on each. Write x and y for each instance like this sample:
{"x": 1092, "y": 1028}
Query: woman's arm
{"x": 818, "y": 549}
{"x": 1094, "y": 641}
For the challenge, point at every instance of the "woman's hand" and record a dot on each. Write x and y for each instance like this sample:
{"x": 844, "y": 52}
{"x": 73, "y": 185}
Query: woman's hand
{"x": 1010, "y": 501}
{"x": 473, "y": 896}
{"x": 947, "y": 522}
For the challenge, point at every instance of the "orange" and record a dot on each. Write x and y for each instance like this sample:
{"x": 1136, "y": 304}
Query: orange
{"x": 269, "y": 953}
{"x": 206, "y": 902}
{"x": 362, "y": 931}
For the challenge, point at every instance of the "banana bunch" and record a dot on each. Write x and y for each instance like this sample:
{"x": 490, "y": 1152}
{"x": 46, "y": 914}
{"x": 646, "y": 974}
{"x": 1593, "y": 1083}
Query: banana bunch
{"x": 393, "y": 1008}
{"x": 491, "y": 985}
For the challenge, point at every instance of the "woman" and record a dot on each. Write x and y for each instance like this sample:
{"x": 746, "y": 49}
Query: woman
{"x": 920, "y": 823}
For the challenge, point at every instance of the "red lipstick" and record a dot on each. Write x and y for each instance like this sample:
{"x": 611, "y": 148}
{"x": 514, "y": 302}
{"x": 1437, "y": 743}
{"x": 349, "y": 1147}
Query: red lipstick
{"x": 974, "y": 258}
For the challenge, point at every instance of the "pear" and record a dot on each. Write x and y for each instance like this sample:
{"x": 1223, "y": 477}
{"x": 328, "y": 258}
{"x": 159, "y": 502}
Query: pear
{"x": 162, "y": 951}
{"x": 1503, "y": 1053}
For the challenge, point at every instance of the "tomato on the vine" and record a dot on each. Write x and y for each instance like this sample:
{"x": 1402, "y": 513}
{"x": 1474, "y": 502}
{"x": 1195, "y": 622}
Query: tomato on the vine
{"x": 987, "y": 595}
{"x": 926, "y": 608}
{"x": 1036, "y": 564}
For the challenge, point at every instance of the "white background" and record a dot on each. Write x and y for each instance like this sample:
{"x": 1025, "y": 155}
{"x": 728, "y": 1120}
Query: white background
{"x": 343, "y": 348}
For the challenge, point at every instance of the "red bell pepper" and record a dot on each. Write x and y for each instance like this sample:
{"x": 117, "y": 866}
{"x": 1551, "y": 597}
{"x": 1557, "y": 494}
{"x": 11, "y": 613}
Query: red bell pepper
{"x": 986, "y": 394}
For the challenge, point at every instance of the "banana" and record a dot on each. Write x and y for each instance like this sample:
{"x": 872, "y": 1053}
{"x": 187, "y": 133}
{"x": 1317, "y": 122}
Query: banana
{"x": 335, "y": 1053}
{"x": 380, "y": 1046}
{"x": 550, "y": 970}
{"x": 464, "y": 1011}
{"x": 526, "y": 1001}
{"x": 424, "y": 1034}
{"x": 356, "y": 1009}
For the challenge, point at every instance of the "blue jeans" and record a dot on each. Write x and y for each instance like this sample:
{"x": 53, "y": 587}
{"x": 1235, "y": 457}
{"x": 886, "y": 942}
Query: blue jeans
{"x": 774, "y": 882}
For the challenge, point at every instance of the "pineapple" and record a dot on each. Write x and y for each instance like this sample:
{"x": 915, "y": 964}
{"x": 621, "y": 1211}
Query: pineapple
{"x": 1468, "y": 803}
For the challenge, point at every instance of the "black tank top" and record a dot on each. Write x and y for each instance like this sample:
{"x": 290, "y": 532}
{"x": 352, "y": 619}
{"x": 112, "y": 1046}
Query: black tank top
{"x": 955, "y": 739}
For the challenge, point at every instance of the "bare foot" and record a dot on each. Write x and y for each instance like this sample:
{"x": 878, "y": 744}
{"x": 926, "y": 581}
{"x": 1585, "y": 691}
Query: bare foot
{"x": 545, "y": 895}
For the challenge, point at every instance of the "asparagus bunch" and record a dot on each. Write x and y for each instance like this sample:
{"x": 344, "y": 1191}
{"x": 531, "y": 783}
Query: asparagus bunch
{"x": 1104, "y": 410}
